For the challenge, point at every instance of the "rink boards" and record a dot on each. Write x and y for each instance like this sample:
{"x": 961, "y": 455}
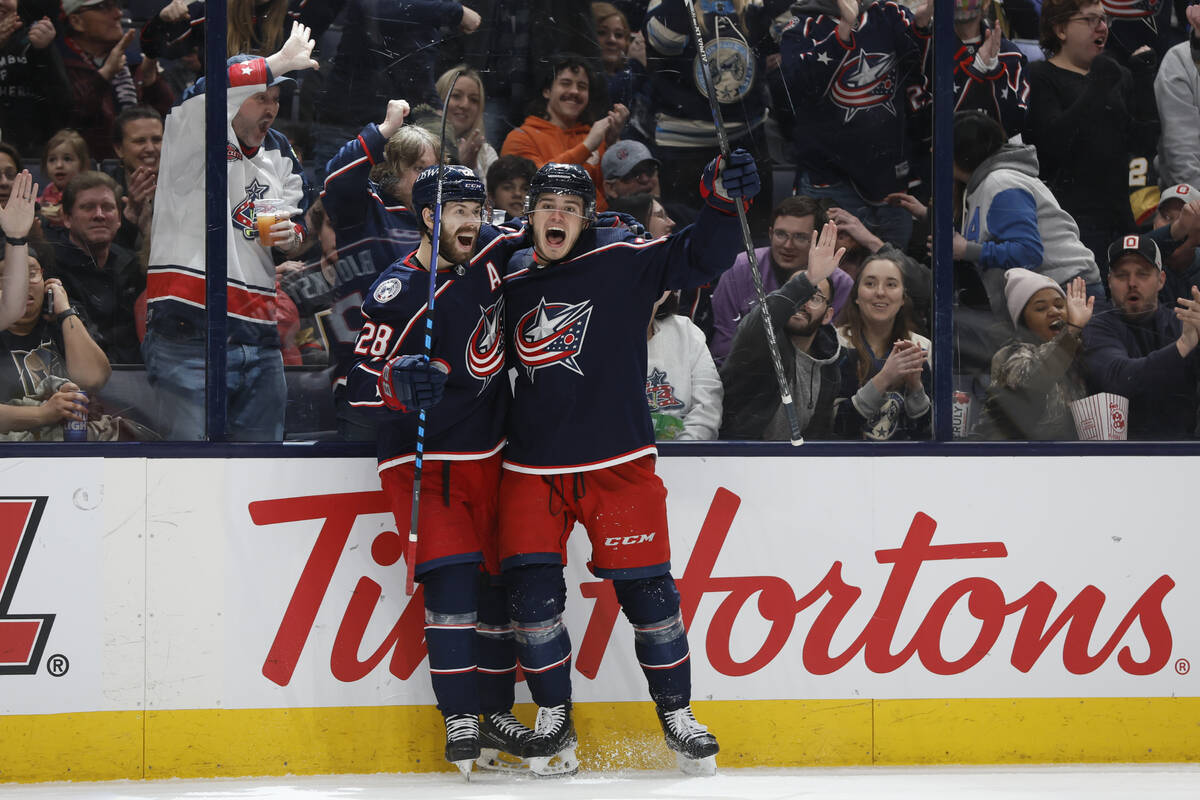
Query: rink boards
{"x": 168, "y": 617}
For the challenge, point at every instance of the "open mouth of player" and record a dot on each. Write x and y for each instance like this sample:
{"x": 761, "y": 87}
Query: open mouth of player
{"x": 556, "y": 237}
{"x": 466, "y": 240}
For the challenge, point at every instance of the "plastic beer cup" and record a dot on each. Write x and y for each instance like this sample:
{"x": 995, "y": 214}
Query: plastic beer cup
{"x": 266, "y": 214}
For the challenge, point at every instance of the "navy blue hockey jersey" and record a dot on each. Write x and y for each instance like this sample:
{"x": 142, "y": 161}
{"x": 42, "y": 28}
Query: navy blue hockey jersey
{"x": 858, "y": 93}
{"x": 577, "y": 334}
{"x": 468, "y": 336}
{"x": 372, "y": 232}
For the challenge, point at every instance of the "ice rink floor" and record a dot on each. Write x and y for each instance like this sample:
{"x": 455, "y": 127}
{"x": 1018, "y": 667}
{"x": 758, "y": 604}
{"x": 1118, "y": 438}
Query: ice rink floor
{"x": 1159, "y": 782}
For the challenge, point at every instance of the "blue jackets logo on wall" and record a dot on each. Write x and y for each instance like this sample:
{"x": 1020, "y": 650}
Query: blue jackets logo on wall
{"x": 864, "y": 81}
{"x": 552, "y": 334}
{"x": 733, "y": 67}
{"x": 485, "y": 348}
{"x": 243, "y": 214}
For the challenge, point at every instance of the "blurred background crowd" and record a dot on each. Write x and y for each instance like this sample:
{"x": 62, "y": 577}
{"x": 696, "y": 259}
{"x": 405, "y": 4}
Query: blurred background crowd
{"x": 1076, "y": 164}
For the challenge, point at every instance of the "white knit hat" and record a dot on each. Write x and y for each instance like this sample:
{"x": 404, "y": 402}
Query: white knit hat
{"x": 1021, "y": 284}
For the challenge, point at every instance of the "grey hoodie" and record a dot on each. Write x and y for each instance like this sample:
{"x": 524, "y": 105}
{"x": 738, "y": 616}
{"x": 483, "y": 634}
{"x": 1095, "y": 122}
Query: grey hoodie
{"x": 1011, "y": 219}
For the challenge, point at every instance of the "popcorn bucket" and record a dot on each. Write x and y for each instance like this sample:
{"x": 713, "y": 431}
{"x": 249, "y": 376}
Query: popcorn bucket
{"x": 1101, "y": 417}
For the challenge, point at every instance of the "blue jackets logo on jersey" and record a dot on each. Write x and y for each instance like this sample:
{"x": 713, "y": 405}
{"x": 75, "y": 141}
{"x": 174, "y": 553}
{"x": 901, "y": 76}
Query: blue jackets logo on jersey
{"x": 243, "y": 214}
{"x": 552, "y": 334}
{"x": 732, "y": 66}
{"x": 388, "y": 289}
{"x": 865, "y": 81}
{"x": 485, "y": 348}
{"x": 1134, "y": 9}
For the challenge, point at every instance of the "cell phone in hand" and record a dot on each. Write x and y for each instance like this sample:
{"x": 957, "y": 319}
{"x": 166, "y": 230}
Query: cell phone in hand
{"x": 49, "y": 301}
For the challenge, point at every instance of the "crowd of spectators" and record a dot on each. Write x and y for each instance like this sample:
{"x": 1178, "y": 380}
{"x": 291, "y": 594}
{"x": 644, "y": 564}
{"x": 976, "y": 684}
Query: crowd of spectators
{"x": 1076, "y": 158}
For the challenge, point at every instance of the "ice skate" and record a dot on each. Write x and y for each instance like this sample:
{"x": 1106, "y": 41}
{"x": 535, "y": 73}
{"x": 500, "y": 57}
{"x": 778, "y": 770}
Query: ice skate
{"x": 695, "y": 748}
{"x": 462, "y": 741}
{"x": 551, "y": 750}
{"x": 502, "y": 739}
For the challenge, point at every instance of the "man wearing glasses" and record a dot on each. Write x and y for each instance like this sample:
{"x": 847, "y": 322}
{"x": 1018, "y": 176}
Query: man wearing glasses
{"x": 102, "y": 84}
{"x": 793, "y": 225}
{"x": 800, "y": 312}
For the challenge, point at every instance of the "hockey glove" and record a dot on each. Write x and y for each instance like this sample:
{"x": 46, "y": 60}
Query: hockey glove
{"x": 722, "y": 182}
{"x": 409, "y": 383}
{"x": 619, "y": 219}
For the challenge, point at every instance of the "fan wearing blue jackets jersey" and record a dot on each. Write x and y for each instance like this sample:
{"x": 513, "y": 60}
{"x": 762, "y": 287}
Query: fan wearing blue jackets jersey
{"x": 373, "y": 227}
{"x": 852, "y": 65}
{"x": 472, "y": 659}
{"x": 581, "y": 442}
{"x": 261, "y": 165}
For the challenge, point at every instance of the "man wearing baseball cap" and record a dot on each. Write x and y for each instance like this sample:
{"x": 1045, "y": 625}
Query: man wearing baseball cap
{"x": 93, "y": 48}
{"x": 1175, "y": 230}
{"x": 265, "y": 183}
{"x": 629, "y": 168}
{"x": 1144, "y": 350}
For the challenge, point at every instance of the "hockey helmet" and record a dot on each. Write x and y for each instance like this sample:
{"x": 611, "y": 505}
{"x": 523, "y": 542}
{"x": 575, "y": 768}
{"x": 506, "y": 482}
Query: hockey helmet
{"x": 459, "y": 185}
{"x": 566, "y": 179}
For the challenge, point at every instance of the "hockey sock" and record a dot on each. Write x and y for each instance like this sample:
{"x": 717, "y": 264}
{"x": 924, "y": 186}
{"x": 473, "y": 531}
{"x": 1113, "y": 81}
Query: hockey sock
{"x": 652, "y": 606}
{"x": 450, "y": 602}
{"x": 537, "y": 596}
{"x": 496, "y": 648}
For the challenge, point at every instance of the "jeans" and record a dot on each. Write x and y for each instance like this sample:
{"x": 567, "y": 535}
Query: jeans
{"x": 257, "y": 389}
{"x": 891, "y": 223}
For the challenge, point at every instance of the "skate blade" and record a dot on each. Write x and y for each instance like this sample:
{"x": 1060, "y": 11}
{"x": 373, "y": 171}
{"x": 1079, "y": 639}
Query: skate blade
{"x": 556, "y": 766}
{"x": 464, "y": 767}
{"x": 494, "y": 760}
{"x": 697, "y": 767}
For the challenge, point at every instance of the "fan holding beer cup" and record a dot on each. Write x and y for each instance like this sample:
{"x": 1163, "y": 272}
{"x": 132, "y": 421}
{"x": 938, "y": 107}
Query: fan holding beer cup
{"x": 273, "y": 220}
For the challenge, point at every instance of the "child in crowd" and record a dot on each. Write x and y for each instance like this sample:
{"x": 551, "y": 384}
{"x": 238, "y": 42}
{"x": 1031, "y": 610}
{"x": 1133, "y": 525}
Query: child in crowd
{"x": 66, "y": 156}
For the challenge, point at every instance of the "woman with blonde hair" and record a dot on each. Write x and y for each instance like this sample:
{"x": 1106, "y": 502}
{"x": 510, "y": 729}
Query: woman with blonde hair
{"x": 464, "y": 115}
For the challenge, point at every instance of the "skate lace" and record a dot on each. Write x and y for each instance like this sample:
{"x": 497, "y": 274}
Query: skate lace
{"x": 550, "y": 719}
{"x": 683, "y": 724}
{"x": 509, "y": 725}
{"x": 461, "y": 726}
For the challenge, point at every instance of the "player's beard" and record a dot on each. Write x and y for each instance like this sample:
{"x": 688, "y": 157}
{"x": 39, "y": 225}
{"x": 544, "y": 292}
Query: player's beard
{"x": 454, "y": 251}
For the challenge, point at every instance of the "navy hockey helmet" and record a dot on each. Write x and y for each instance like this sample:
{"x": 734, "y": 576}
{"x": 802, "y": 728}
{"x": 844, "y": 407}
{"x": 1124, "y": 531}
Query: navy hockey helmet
{"x": 459, "y": 185}
{"x": 566, "y": 179}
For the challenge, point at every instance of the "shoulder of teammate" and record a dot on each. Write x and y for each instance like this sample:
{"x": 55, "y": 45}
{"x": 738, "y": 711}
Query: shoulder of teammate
{"x": 398, "y": 291}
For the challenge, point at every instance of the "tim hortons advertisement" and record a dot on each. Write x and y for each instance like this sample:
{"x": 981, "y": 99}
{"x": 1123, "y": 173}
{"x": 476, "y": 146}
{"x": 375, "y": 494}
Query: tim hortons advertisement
{"x": 54, "y": 638}
{"x": 800, "y": 578}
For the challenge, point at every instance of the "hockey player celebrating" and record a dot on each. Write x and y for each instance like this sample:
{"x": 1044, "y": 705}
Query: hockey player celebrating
{"x": 581, "y": 443}
{"x": 472, "y": 659}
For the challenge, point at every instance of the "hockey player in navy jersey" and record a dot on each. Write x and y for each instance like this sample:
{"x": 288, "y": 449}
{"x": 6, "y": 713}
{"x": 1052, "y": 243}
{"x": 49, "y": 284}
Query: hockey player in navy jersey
{"x": 374, "y": 227}
{"x": 581, "y": 443}
{"x": 472, "y": 659}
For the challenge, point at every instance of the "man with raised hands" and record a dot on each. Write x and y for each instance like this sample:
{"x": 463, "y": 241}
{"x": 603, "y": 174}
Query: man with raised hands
{"x": 581, "y": 443}
{"x": 261, "y": 165}
{"x": 472, "y": 660}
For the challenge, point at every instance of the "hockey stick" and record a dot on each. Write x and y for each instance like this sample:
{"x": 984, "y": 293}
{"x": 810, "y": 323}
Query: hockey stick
{"x": 785, "y": 394}
{"x": 410, "y": 550}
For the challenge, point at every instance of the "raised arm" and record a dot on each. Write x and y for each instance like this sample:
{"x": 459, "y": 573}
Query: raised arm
{"x": 16, "y": 219}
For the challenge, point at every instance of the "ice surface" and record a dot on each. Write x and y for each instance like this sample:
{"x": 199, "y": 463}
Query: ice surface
{"x": 1108, "y": 782}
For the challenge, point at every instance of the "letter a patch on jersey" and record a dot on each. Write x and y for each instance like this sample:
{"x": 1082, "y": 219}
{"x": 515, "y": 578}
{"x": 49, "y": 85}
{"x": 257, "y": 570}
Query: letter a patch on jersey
{"x": 552, "y": 334}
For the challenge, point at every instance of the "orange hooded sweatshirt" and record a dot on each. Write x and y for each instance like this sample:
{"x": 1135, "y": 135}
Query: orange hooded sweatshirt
{"x": 543, "y": 142}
